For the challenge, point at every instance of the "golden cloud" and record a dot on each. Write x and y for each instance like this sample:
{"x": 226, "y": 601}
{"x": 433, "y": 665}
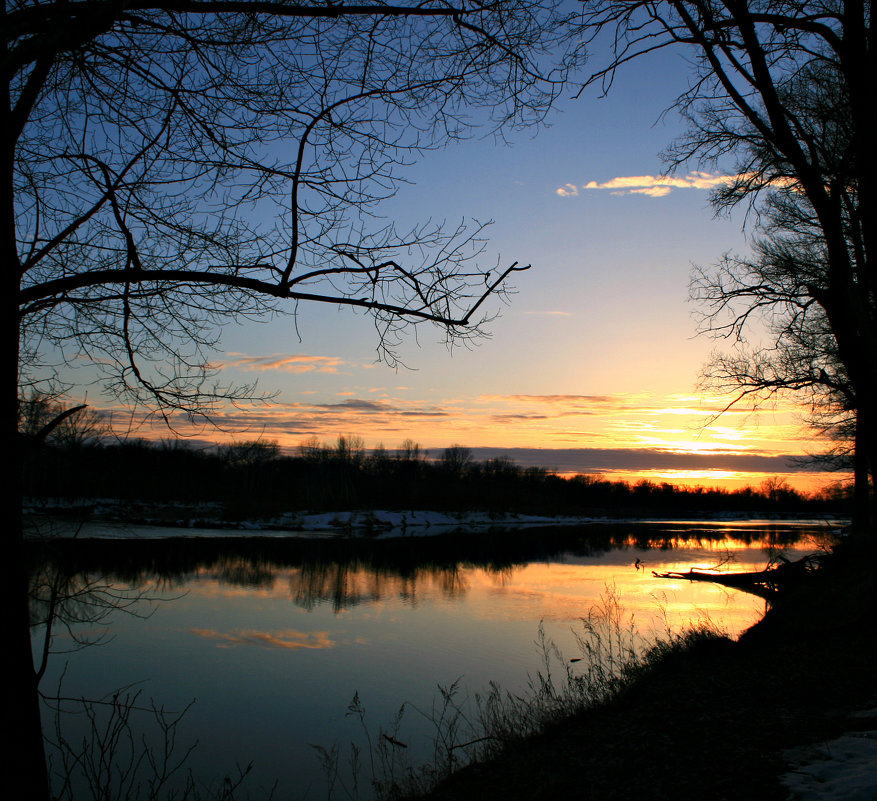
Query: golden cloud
{"x": 293, "y": 363}
{"x": 661, "y": 185}
{"x": 652, "y": 191}
{"x": 561, "y": 399}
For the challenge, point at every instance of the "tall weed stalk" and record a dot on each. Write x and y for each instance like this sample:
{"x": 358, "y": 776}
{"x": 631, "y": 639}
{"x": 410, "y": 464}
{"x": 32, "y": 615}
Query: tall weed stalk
{"x": 464, "y": 729}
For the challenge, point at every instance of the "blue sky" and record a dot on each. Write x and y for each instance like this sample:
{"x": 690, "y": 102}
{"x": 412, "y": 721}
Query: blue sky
{"x": 597, "y": 349}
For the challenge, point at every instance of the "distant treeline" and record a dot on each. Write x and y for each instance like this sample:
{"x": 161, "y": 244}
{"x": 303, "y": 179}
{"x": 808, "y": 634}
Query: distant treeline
{"x": 256, "y": 479}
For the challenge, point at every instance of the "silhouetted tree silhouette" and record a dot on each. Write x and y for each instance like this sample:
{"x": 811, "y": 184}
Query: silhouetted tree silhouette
{"x": 801, "y": 357}
{"x": 172, "y": 166}
{"x": 456, "y": 459}
{"x": 47, "y": 419}
{"x": 786, "y": 89}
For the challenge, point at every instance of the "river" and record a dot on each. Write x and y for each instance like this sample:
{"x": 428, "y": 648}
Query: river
{"x": 272, "y": 639}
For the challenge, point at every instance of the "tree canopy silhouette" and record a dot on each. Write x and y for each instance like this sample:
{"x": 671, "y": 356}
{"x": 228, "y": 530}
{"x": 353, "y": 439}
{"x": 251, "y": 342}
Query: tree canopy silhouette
{"x": 783, "y": 91}
{"x": 174, "y": 167}
{"x": 170, "y": 166}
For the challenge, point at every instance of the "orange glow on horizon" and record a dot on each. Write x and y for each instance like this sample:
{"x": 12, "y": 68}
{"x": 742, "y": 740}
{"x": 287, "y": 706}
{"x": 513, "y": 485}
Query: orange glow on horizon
{"x": 672, "y": 424}
{"x": 803, "y": 482}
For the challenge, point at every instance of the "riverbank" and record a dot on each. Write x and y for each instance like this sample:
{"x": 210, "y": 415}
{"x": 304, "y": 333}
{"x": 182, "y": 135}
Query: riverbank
{"x": 716, "y": 721}
{"x": 118, "y": 519}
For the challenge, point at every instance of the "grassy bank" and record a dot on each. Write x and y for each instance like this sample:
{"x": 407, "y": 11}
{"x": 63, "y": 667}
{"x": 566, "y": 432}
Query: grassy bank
{"x": 712, "y": 719}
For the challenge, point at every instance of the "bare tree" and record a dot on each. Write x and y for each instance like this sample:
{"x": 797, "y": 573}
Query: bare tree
{"x": 178, "y": 167}
{"x": 797, "y": 355}
{"x": 784, "y": 287}
{"x": 410, "y": 451}
{"x": 169, "y": 167}
{"x": 456, "y": 459}
{"x": 46, "y": 419}
{"x": 784, "y": 91}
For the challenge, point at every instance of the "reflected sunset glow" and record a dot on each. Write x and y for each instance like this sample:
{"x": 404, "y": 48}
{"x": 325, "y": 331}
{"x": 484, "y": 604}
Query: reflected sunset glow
{"x": 561, "y": 592}
{"x": 276, "y": 647}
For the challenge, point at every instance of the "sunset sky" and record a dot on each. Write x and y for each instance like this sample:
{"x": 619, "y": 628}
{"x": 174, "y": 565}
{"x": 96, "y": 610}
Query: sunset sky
{"x": 595, "y": 360}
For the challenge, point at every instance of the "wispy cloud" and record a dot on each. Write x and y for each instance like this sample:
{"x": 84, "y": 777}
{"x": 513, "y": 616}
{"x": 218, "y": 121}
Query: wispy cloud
{"x": 652, "y": 185}
{"x": 301, "y": 419}
{"x": 678, "y": 425}
{"x": 517, "y": 418}
{"x": 567, "y": 400}
{"x": 598, "y": 460}
{"x": 290, "y": 363}
{"x": 356, "y": 404}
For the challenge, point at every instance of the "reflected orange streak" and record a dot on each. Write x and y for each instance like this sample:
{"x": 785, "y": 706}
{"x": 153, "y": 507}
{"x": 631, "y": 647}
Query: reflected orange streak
{"x": 561, "y": 593}
{"x": 566, "y": 593}
{"x": 267, "y": 639}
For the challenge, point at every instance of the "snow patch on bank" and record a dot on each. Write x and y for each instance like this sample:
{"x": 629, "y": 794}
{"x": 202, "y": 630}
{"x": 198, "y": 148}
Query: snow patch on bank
{"x": 119, "y": 519}
{"x": 844, "y": 769}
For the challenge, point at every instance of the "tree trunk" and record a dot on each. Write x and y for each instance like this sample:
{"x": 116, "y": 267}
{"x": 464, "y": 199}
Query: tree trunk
{"x": 25, "y": 751}
{"x": 861, "y": 473}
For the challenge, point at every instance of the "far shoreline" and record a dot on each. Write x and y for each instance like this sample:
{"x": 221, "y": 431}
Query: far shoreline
{"x": 74, "y": 518}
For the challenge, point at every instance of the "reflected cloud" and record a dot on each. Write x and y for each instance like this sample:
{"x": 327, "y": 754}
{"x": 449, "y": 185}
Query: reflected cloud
{"x": 289, "y": 639}
{"x": 556, "y": 576}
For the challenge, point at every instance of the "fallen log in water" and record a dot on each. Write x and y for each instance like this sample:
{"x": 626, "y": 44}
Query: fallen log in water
{"x": 767, "y": 583}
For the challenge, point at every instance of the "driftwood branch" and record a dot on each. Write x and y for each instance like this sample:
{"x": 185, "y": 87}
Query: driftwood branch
{"x": 47, "y": 429}
{"x": 767, "y": 583}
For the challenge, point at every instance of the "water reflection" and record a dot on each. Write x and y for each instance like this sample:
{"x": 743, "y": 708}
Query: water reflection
{"x": 266, "y": 639}
{"x": 255, "y": 562}
{"x": 276, "y": 635}
{"x": 348, "y": 584}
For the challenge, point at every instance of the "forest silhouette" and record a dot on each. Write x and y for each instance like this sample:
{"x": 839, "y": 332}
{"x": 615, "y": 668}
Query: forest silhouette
{"x": 254, "y": 480}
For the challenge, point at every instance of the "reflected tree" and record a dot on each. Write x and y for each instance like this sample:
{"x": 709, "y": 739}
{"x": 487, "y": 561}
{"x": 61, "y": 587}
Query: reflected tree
{"x": 110, "y": 756}
{"x": 114, "y": 760}
{"x": 76, "y": 605}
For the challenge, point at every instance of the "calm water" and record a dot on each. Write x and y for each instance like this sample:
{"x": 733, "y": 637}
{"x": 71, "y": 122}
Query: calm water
{"x": 272, "y": 640}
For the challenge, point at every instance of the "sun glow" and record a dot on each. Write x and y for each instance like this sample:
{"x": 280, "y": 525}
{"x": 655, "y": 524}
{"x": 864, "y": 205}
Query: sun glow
{"x": 621, "y": 436}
